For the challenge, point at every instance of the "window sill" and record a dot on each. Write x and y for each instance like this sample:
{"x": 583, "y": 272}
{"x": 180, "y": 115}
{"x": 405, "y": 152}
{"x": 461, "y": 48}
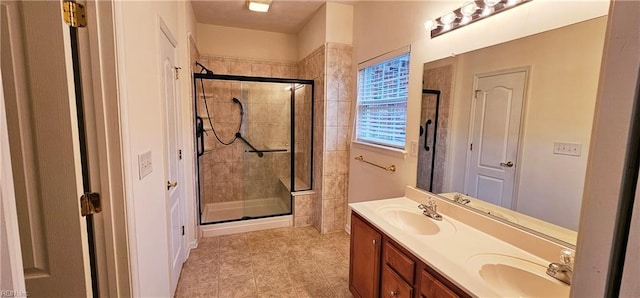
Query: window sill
{"x": 391, "y": 152}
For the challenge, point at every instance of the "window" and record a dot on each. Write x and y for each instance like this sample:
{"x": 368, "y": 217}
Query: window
{"x": 382, "y": 102}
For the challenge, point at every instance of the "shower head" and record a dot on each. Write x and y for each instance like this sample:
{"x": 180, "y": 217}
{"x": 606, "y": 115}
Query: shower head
{"x": 203, "y": 68}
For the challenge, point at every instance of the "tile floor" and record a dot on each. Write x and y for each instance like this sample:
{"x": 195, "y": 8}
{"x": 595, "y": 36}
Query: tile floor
{"x": 285, "y": 262}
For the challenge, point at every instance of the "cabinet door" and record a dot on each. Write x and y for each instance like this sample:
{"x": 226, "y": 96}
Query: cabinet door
{"x": 364, "y": 263}
{"x": 430, "y": 287}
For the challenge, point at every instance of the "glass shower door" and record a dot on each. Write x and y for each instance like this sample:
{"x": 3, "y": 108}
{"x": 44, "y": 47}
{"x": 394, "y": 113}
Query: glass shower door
{"x": 268, "y": 129}
{"x": 246, "y": 132}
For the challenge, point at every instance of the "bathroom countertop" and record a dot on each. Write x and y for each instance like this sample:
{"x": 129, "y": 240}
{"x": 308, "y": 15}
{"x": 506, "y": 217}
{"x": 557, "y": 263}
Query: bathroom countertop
{"x": 448, "y": 252}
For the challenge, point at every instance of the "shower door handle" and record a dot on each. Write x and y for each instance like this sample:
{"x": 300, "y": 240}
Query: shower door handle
{"x": 426, "y": 134}
{"x": 200, "y": 135}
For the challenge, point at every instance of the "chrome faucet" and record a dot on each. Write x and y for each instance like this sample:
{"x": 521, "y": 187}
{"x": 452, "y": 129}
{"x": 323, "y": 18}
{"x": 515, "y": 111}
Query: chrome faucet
{"x": 563, "y": 271}
{"x": 430, "y": 210}
{"x": 460, "y": 199}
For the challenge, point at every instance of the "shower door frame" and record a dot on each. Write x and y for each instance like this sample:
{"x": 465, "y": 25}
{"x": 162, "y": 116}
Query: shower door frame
{"x": 240, "y": 78}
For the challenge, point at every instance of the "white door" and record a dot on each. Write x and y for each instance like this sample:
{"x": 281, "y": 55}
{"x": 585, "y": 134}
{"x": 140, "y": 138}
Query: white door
{"x": 39, "y": 97}
{"x": 175, "y": 199}
{"x": 495, "y": 129}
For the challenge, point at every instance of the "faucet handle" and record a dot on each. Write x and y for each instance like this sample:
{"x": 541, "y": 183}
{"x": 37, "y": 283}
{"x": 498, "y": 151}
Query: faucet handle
{"x": 567, "y": 256}
{"x": 432, "y": 204}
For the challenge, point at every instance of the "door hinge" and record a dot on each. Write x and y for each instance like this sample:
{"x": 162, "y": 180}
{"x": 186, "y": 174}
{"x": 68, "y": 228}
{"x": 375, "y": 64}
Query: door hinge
{"x": 90, "y": 203}
{"x": 182, "y": 230}
{"x": 476, "y": 93}
{"x": 74, "y": 14}
{"x": 176, "y": 69}
{"x": 471, "y": 147}
{"x": 179, "y": 154}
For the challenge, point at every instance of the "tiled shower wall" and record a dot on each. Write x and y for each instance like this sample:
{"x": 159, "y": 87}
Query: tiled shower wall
{"x": 312, "y": 68}
{"x": 331, "y": 68}
{"x": 226, "y": 169}
{"x": 438, "y": 78}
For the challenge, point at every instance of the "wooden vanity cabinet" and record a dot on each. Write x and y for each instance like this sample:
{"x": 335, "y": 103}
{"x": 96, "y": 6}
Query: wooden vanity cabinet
{"x": 364, "y": 260}
{"x": 379, "y": 267}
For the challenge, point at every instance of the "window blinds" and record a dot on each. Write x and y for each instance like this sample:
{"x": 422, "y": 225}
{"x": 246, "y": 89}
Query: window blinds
{"x": 382, "y": 102}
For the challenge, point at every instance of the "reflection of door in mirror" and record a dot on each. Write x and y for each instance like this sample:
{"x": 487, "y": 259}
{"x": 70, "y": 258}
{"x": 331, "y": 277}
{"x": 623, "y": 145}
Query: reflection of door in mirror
{"x": 434, "y": 125}
{"x": 495, "y": 132}
{"x": 561, "y": 88}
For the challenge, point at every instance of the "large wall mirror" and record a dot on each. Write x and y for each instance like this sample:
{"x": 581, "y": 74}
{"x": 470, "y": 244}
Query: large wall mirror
{"x": 505, "y": 130}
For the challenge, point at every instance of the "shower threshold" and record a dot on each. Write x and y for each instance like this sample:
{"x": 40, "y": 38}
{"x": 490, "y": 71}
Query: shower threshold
{"x": 242, "y": 210}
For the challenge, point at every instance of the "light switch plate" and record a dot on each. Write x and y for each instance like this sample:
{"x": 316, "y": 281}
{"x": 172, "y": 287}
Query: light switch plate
{"x": 567, "y": 149}
{"x": 145, "y": 166}
{"x": 414, "y": 148}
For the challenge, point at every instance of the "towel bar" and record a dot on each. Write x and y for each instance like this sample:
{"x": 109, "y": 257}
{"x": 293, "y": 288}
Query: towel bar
{"x": 391, "y": 168}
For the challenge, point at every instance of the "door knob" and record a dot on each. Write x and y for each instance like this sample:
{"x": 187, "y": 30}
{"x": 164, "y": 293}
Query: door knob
{"x": 171, "y": 184}
{"x": 508, "y": 164}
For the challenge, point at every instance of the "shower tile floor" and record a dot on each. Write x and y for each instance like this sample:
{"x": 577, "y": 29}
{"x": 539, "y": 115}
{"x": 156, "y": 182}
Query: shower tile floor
{"x": 284, "y": 262}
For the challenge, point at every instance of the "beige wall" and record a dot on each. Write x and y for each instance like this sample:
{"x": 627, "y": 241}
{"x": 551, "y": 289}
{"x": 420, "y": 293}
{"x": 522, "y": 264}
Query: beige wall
{"x": 331, "y": 23}
{"x": 312, "y": 35}
{"x": 339, "y": 22}
{"x": 400, "y": 23}
{"x": 246, "y": 43}
{"x": 561, "y": 93}
{"x": 139, "y": 35}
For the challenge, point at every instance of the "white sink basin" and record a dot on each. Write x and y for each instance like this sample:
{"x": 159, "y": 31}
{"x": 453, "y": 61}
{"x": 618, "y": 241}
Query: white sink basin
{"x": 515, "y": 277}
{"x": 414, "y": 222}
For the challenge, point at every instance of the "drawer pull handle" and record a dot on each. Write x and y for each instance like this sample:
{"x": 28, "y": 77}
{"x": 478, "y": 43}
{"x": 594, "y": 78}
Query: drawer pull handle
{"x": 394, "y": 293}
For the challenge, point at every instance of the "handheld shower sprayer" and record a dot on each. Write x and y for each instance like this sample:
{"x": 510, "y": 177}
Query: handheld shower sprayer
{"x": 237, "y": 101}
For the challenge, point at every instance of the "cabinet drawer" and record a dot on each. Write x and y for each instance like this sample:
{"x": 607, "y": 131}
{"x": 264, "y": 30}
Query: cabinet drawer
{"x": 402, "y": 264}
{"x": 393, "y": 286}
{"x": 430, "y": 287}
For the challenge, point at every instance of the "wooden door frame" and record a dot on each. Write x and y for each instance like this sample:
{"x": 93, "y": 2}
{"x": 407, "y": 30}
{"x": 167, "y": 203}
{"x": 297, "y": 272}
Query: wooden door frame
{"x": 166, "y": 33}
{"x": 521, "y": 130}
{"x": 99, "y": 78}
{"x": 112, "y": 249}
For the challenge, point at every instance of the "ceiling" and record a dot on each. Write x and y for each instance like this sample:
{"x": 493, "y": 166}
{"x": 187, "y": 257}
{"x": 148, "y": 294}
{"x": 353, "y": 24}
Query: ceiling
{"x": 284, "y": 16}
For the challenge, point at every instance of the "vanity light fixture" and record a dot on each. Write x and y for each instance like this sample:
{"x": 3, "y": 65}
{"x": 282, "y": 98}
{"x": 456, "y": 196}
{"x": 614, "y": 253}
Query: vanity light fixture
{"x": 469, "y": 12}
{"x": 259, "y": 5}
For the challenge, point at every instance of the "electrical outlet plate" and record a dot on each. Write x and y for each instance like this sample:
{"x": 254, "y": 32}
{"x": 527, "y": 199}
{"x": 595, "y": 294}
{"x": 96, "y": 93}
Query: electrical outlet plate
{"x": 145, "y": 166}
{"x": 571, "y": 149}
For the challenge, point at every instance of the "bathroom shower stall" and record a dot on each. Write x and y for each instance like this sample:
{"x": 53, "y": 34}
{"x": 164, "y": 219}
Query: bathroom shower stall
{"x": 254, "y": 140}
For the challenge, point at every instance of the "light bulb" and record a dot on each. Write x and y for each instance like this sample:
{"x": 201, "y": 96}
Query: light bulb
{"x": 491, "y": 3}
{"x": 512, "y": 2}
{"x": 487, "y": 11}
{"x": 448, "y": 18}
{"x": 469, "y": 8}
{"x": 430, "y": 25}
